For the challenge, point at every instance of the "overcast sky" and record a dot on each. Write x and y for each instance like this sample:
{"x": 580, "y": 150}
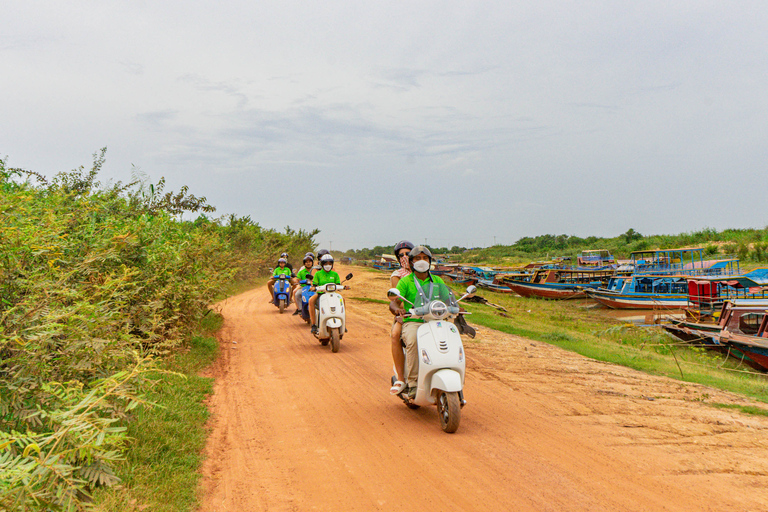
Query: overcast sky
{"x": 459, "y": 122}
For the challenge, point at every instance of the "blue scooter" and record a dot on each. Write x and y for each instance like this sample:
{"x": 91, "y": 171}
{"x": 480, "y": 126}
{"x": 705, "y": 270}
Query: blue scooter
{"x": 282, "y": 292}
{"x": 306, "y": 293}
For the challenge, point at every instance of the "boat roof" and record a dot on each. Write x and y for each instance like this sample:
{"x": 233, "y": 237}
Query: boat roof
{"x": 668, "y": 251}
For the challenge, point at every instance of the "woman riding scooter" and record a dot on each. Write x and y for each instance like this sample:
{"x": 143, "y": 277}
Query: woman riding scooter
{"x": 323, "y": 276}
{"x": 401, "y": 251}
{"x": 309, "y": 262}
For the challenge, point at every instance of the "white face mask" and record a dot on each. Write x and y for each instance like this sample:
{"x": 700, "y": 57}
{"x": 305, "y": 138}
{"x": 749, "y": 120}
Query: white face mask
{"x": 421, "y": 266}
{"x": 327, "y": 267}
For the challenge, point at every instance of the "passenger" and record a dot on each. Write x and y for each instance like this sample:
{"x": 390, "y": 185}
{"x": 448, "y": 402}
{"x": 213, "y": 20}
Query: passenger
{"x": 401, "y": 252}
{"x": 410, "y": 286}
{"x": 309, "y": 261}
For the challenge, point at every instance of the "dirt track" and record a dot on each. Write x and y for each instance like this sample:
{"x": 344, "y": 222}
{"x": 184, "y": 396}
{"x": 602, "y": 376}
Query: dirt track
{"x": 296, "y": 427}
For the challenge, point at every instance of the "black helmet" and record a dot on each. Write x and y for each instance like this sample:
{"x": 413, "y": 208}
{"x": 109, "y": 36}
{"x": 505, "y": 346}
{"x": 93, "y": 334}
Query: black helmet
{"x": 419, "y": 249}
{"x": 284, "y": 255}
{"x": 322, "y": 252}
{"x": 403, "y": 244}
{"x": 308, "y": 256}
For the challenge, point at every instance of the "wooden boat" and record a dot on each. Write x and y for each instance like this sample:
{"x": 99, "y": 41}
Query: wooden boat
{"x": 595, "y": 258}
{"x": 643, "y": 291}
{"x": 707, "y": 294}
{"x": 736, "y": 318}
{"x": 660, "y": 279}
{"x": 748, "y": 334}
{"x": 560, "y": 283}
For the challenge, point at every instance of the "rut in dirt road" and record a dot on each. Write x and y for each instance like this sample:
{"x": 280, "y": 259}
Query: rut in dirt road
{"x": 295, "y": 427}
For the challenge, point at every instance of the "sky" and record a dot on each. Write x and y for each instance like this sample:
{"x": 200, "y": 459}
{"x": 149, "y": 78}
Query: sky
{"x": 445, "y": 122}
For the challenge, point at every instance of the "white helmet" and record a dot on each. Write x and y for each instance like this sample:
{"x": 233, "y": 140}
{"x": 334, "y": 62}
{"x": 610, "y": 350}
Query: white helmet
{"x": 326, "y": 259}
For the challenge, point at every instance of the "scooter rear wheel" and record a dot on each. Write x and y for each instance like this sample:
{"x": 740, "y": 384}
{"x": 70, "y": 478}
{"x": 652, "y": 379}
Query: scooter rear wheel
{"x": 335, "y": 340}
{"x": 449, "y": 411}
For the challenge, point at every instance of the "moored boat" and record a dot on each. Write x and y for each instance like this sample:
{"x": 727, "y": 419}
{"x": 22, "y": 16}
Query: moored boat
{"x": 559, "y": 283}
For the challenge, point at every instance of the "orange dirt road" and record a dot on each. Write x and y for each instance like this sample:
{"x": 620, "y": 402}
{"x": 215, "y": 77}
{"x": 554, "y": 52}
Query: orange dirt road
{"x": 296, "y": 427}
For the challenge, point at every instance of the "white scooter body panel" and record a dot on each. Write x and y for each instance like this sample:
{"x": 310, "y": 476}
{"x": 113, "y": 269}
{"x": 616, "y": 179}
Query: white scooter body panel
{"x": 441, "y": 342}
{"x": 331, "y": 314}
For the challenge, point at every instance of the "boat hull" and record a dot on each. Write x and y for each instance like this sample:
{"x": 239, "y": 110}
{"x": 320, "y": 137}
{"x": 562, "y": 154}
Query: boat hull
{"x": 546, "y": 290}
{"x": 618, "y": 300}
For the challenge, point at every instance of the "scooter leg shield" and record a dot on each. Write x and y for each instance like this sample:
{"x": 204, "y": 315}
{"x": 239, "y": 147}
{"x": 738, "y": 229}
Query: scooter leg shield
{"x": 447, "y": 380}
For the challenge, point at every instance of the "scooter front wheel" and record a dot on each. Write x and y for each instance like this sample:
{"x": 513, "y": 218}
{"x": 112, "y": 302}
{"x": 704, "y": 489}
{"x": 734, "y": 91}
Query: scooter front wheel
{"x": 449, "y": 411}
{"x": 281, "y": 305}
{"x": 335, "y": 339}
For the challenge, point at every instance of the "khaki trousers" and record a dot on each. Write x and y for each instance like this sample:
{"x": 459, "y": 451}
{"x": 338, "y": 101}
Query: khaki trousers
{"x": 410, "y": 330}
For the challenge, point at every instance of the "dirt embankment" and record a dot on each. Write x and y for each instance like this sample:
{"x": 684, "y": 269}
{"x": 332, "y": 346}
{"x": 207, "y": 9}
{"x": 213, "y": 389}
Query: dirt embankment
{"x": 295, "y": 427}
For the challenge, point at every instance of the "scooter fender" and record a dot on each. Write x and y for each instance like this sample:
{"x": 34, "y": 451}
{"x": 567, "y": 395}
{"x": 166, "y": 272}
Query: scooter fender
{"x": 333, "y": 323}
{"x": 446, "y": 380}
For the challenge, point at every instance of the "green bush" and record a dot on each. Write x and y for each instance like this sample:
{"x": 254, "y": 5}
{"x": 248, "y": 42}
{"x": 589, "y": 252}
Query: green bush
{"x": 96, "y": 283}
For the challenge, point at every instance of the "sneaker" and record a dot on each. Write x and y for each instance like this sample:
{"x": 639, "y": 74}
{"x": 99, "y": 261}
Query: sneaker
{"x": 314, "y": 329}
{"x": 296, "y": 312}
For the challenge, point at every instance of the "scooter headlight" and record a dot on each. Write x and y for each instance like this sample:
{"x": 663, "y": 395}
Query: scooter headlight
{"x": 438, "y": 309}
{"x": 330, "y": 288}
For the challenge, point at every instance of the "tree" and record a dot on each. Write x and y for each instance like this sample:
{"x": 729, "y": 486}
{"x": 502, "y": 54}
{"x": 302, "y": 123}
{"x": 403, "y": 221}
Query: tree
{"x": 631, "y": 235}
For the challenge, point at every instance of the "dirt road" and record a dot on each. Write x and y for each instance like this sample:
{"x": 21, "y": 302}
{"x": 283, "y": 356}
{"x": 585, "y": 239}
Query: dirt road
{"x": 296, "y": 427}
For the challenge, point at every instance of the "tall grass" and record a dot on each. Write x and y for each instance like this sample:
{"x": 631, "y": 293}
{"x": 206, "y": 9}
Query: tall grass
{"x": 97, "y": 285}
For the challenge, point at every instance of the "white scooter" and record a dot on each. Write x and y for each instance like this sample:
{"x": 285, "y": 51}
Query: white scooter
{"x": 331, "y": 318}
{"x": 441, "y": 356}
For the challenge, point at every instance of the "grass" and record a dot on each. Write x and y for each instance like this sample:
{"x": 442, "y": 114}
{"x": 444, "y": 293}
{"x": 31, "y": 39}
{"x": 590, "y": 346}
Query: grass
{"x": 748, "y": 409}
{"x": 648, "y": 349}
{"x": 160, "y": 472}
{"x": 368, "y": 299}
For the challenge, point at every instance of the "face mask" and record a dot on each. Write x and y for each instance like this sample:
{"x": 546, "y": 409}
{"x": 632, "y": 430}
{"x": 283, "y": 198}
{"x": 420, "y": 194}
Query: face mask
{"x": 421, "y": 266}
{"x": 404, "y": 261}
{"x": 327, "y": 268}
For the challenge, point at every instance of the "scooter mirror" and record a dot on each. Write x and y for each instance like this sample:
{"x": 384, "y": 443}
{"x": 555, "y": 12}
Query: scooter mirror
{"x": 349, "y": 276}
{"x": 471, "y": 289}
{"x": 393, "y": 292}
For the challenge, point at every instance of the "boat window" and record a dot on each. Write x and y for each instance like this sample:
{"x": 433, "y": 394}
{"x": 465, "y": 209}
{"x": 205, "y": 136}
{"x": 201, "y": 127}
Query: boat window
{"x": 750, "y": 322}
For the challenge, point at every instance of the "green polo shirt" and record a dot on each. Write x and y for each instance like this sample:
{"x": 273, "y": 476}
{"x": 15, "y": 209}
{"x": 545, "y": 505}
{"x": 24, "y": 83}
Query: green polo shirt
{"x": 322, "y": 277}
{"x": 282, "y": 270}
{"x": 407, "y": 288}
{"x": 303, "y": 272}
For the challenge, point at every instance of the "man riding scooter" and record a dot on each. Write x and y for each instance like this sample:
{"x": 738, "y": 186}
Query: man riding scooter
{"x": 273, "y": 279}
{"x": 418, "y": 282}
{"x": 323, "y": 276}
{"x": 281, "y": 269}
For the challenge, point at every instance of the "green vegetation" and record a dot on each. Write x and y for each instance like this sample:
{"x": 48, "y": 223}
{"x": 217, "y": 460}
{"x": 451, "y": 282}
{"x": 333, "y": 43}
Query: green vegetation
{"x": 99, "y": 285}
{"x": 749, "y": 245}
{"x": 574, "y": 327}
{"x": 160, "y": 471}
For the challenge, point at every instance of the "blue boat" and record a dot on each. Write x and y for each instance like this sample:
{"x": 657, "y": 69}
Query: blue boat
{"x": 660, "y": 279}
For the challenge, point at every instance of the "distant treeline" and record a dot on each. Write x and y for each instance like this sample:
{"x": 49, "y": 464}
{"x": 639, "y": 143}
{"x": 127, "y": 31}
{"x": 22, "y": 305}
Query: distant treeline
{"x": 96, "y": 283}
{"x": 749, "y": 245}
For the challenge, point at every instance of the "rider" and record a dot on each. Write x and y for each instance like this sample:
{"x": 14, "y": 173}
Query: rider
{"x": 282, "y": 269}
{"x": 420, "y": 260}
{"x": 291, "y": 278}
{"x": 401, "y": 252}
{"x": 325, "y": 275}
{"x": 309, "y": 261}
